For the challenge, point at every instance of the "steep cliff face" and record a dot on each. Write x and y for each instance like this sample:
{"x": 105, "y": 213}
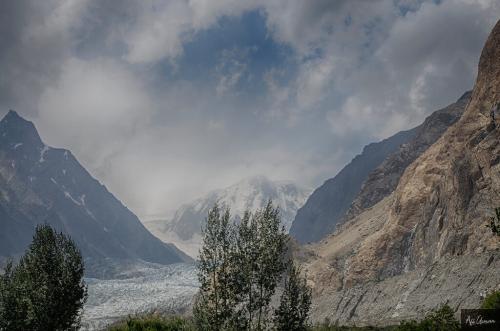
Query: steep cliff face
{"x": 327, "y": 204}
{"x": 428, "y": 242}
{"x": 443, "y": 201}
{"x": 370, "y": 176}
{"x": 383, "y": 180}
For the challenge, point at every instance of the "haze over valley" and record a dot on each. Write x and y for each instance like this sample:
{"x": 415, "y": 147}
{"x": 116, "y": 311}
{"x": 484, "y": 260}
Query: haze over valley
{"x": 252, "y": 165}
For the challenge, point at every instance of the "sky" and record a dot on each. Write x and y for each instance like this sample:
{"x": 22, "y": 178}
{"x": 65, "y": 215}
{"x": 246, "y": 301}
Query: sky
{"x": 165, "y": 100}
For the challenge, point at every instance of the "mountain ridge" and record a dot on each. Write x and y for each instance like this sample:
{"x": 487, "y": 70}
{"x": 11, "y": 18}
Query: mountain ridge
{"x": 383, "y": 180}
{"x": 428, "y": 242}
{"x": 41, "y": 184}
{"x": 328, "y": 203}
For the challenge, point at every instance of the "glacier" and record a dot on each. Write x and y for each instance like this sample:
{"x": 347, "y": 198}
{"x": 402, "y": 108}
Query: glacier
{"x": 145, "y": 288}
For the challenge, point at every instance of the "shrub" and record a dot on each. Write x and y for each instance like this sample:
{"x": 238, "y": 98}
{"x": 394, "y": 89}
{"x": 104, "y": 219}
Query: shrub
{"x": 154, "y": 323}
{"x": 492, "y": 301}
{"x": 441, "y": 319}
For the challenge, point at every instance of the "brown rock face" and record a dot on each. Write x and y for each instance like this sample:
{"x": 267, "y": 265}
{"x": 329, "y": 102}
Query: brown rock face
{"x": 442, "y": 203}
{"x": 432, "y": 230}
{"x": 383, "y": 180}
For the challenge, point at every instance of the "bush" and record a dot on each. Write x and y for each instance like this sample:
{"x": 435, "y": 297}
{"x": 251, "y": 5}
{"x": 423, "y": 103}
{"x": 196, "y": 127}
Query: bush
{"x": 329, "y": 327}
{"x": 442, "y": 319}
{"x": 495, "y": 222}
{"x": 492, "y": 301}
{"x": 154, "y": 323}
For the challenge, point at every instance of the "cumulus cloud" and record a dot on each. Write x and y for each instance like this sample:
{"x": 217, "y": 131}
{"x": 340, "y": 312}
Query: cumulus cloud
{"x": 162, "y": 101}
{"x": 421, "y": 65}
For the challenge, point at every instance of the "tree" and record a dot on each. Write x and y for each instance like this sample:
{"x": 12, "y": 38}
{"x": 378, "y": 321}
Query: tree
{"x": 492, "y": 301}
{"x": 260, "y": 249}
{"x": 45, "y": 291}
{"x": 13, "y": 305}
{"x": 213, "y": 306}
{"x": 295, "y": 302}
{"x": 239, "y": 268}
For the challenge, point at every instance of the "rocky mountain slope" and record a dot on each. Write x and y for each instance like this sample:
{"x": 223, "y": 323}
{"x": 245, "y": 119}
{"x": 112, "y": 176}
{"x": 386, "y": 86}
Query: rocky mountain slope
{"x": 41, "y": 184}
{"x": 249, "y": 194}
{"x": 328, "y": 203}
{"x": 428, "y": 242}
{"x": 383, "y": 180}
{"x": 371, "y": 176}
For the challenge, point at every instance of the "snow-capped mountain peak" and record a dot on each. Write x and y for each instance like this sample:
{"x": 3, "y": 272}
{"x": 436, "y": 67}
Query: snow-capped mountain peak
{"x": 251, "y": 193}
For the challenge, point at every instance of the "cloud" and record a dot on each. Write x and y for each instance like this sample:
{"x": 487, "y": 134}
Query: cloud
{"x": 231, "y": 67}
{"x": 421, "y": 65}
{"x": 94, "y": 108}
{"x": 165, "y": 100}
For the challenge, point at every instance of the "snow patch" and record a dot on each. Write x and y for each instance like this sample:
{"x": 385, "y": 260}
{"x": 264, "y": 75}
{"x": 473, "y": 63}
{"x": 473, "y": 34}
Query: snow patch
{"x": 87, "y": 210}
{"x": 68, "y": 195}
{"x": 42, "y": 153}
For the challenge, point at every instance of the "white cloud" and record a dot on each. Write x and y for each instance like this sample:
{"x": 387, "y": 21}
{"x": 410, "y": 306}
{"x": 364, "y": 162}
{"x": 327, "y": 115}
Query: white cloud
{"x": 94, "y": 108}
{"x": 358, "y": 70}
{"x": 426, "y": 61}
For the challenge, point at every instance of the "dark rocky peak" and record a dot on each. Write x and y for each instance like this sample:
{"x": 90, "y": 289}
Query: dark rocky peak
{"x": 39, "y": 184}
{"x": 465, "y": 97}
{"x": 16, "y": 130}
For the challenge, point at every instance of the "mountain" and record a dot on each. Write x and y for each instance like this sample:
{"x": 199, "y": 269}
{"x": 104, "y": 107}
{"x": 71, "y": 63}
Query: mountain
{"x": 383, "y": 180}
{"x": 41, "y": 184}
{"x": 371, "y": 176}
{"x": 428, "y": 242}
{"x": 184, "y": 229}
{"x": 328, "y": 203}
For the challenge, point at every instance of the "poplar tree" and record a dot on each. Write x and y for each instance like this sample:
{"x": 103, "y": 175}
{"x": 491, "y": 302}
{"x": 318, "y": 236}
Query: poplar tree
{"x": 239, "y": 268}
{"x": 260, "y": 251}
{"x": 213, "y": 306}
{"x": 291, "y": 315}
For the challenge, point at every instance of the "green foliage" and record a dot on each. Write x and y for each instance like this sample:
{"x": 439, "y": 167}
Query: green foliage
{"x": 295, "y": 302}
{"x": 492, "y": 301}
{"x": 45, "y": 291}
{"x": 495, "y": 222}
{"x": 259, "y": 255}
{"x": 154, "y": 323}
{"x": 239, "y": 269}
{"x": 441, "y": 319}
{"x": 214, "y": 303}
{"x": 327, "y": 326}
